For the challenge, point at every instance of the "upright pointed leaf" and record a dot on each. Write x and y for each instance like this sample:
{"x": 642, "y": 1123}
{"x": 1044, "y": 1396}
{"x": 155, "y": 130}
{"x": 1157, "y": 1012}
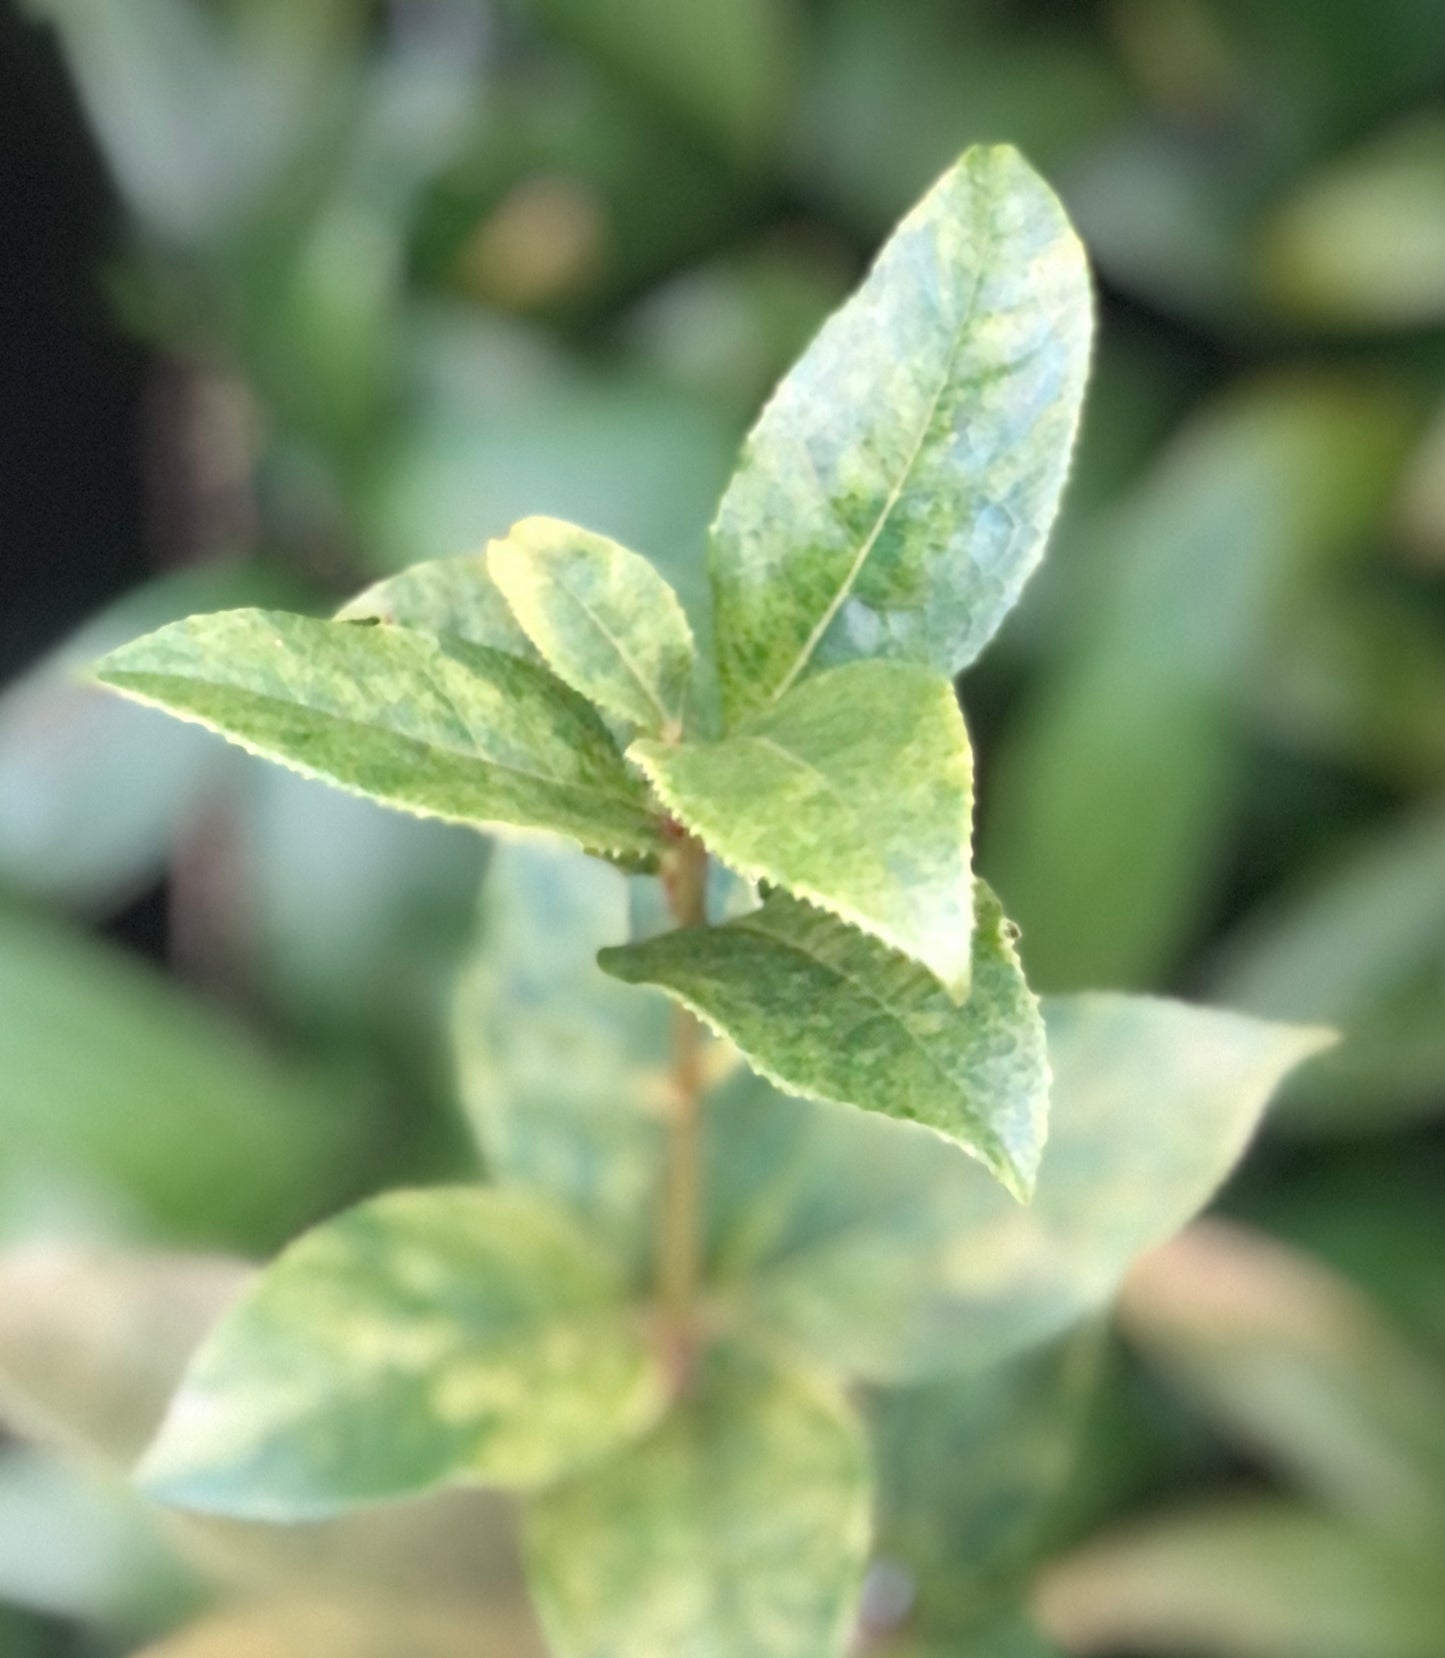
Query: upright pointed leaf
{"x": 824, "y": 1010}
{"x": 422, "y": 1339}
{"x": 854, "y": 792}
{"x": 437, "y": 727}
{"x": 898, "y": 489}
{"x": 454, "y": 596}
{"x": 892, "y": 1256}
{"x": 604, "y": 619}
{"x": 739, "y": 1526}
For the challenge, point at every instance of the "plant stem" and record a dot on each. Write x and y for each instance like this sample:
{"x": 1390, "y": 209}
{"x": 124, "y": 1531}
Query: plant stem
{"x": 679, "y": 1232}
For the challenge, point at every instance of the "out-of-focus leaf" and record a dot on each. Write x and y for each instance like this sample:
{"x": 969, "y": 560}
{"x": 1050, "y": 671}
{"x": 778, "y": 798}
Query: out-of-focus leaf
{"x": 1301, "y": 1370}
{"x": 1109, "y": 806}
{"x": 896, "y": 91}
{"x": 1362, "y": 244}
{"x": 1249, "y": 1578}
{"x": 195, "y": 119}
{"x": 893, "y": 1256}
{"x": 825, "y": 1011}
{"x": 79, "y": 1549}
{"x": 563, "y": 1070}
{"x": 122, "y": 1093}
{"x": 361, "y": 1627}
{"x": 441, "y": 728}
{"x": 1362, "y": 945}
{"x": 899, "y": 486}
{"x": 722, "y": 66}
{"x": 854, "y": 792}
{"x": 1360, "y": 680}
{"x": 445, "y": 595}
{"x": 92, "y": 792}
{"x": 758, "y": 1479}
{"x": 967, "y": 1468}
{"x": 603, "y": 618}
{"x": 426, "y": 1338}
{"x": 92, "y": 1344}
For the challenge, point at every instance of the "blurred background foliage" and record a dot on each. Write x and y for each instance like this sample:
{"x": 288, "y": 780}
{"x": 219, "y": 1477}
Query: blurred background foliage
{"x": 298, "y": 294}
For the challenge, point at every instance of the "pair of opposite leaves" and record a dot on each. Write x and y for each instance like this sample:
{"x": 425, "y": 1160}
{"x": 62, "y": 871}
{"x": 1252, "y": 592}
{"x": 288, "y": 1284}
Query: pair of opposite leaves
{"x": 885, "y": 512}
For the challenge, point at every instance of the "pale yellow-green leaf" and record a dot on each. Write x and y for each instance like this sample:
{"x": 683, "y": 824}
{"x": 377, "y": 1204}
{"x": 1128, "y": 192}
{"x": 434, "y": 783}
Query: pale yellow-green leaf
{"x": 437, "y": 727}
{"x": 424, "y": 1338}
{"x": 854, "y": 792}
{"x": 737, "y": 1529}
{"x": 444, "y": 596}
{"x": 604, "y": 619}
{"x": 899, "y": 487}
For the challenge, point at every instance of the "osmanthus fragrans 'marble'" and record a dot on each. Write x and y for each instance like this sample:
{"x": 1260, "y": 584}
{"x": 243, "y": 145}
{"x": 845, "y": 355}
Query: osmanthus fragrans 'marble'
{"x": 649, "y": 1320}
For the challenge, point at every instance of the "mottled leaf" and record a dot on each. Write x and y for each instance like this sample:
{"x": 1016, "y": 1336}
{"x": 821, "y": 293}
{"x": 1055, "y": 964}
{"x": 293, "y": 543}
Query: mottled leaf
{"x": 899, "y": 487}
{"x": 422, "y": 1339}
{"x": 1246, "y": 1578}
{"x": 854, "y": 792}
{"x": 893, "y": 1257}
{"x": 563, "y": 1071}
{"x": 602, "y": 616}
{"x": 739, "y": 1527}
{"x": 445, "y": 596}
{"x": 823, "y": 1010}
{"x": 437, "y": 727}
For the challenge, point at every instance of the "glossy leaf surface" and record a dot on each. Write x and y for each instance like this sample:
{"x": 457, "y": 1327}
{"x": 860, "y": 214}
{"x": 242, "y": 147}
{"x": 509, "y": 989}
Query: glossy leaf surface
{"x": 854, "y": 792}
{"x": 823, "y": 1010}
{"x": 604, "y": 619}
{"x": 437, "y": 727}
{"x": 424, "y": 1338}
{"x": 739, "y": 1526}
{"x": 899, "y": 487}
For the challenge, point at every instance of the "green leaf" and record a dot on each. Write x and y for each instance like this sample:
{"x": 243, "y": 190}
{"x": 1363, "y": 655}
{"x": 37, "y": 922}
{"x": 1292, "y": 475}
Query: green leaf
{"x": 604, "y": 619}
{"x": 823, "y": 1010}
{"x": 422, "y": 1339}
{"x": 969, "y": 1468}
{"x": 892, "y": 1257}
{"x": 436, "y": 727}
{"x": 1245, "y": 1578}
{"x": 739, "y": 1526}
{"x": 128, "y": 1100}
{"x": 563, "y": 1071}
{"x": 455, "y": 596}
{"x": 899, "y": 487}
{"x": 854, "y": 792}
{"x": 1300, "y": 1370}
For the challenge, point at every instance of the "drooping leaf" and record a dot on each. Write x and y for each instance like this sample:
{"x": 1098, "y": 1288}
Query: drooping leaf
{"x": 855, "y": 792}
{"x": 445, "y": 596}
{"x": 899, "y": 487}
{"x": 1245, "y": 1578}
{"x": 603, "y": 618}
{"x": 891, "y": 1256}
{"x": 424, "y": 1338}
{"x": 563, "y": 1071}
{"x": 124, "y": 1096}
{"x": 739, "y": 1526}
{"x": 437, "y": 727}
{"x": 1299, "y": 1369}
{"x": 823, "y": 1010}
